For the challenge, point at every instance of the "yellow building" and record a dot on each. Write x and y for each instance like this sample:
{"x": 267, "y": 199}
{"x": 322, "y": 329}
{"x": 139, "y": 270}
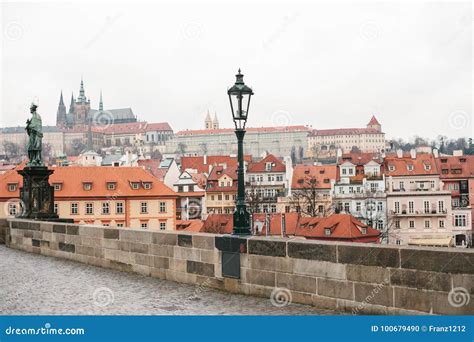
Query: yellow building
{"x": 221, "y": 191}
{"x": 110, "y": 196}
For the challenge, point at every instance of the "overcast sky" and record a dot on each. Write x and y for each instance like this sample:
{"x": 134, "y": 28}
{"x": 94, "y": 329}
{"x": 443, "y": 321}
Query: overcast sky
{"x": 325, "y": 65}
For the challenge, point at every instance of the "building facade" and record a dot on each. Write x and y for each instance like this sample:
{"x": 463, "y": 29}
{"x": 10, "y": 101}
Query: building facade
{"x": 221, "y": 191}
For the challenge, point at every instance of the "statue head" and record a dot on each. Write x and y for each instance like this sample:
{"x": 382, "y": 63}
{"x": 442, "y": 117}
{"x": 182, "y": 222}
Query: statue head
{"x": 33, "y": 107}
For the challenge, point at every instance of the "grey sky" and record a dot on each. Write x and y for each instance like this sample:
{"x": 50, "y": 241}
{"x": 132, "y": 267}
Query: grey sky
{"x": 325, "y": 65}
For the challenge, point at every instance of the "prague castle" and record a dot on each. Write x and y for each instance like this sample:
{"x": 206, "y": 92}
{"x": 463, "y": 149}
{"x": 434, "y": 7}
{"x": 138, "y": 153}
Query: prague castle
{"x": 80, "y": 112}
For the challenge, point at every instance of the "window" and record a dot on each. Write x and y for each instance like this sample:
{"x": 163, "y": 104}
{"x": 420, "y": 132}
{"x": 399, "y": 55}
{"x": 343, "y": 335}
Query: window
{"x": 143, "y": 207}
{"x": 74, "y": 208}
{"x": 119, "y": 208}
{"x": 346, "y": 207}
{"x": 358, "y": 206}
{"x": 411, "y": 207}
{"x": 89, "y": 208}
{"x": 12, "y": 209}
{"x": 460, "y": 220}
{"x": 441, "y": 206}
{"x": 410, "y": 167}
{"x": 144, "y": 225}
{"x": 391, "y": 168}
{"x": 190, "y": 188}
{"x": 135, "y": 185}
{"x": 397, "y": 207}
{"x": 11, "y": 187}
{"x": 119, "y": 224}
{"x": 55, "y": 208}
{"x": 411, "y": 224}
{"x": 398, "y": 242}
{"x": 327, "y": 231}
{"x": 427, "y": 224}
{"x": 162, "y": 207}
{"x": 180, "y": 188}
{"x": 374, "y": 187}
{"x": 57, "y": 186}
{"x": 402, "y": 185}
{"x": 110, "y": 186}
{"x": 379, "y": 206}
{"x": 363, "y": 230}
{"x": 441, "y": 223}
{"x": 87, "y": 186}
{"x": 147, "y": 186}
{"x": 162, "y": 225}
{"x": 226, "y": 197}
{"x": 279, "y": 178}
{"x": 397, "y": 224}
{"x": 105, "y": 208}
{"x": 426, "y": 206}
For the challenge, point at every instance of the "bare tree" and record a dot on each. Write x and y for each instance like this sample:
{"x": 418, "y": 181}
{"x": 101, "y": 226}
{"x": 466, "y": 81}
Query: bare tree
{"x": 307, "y": 198}
{"x": 182, "y": 148}
{"x": 11, "y": 149}
{"x": 253, "y": 198}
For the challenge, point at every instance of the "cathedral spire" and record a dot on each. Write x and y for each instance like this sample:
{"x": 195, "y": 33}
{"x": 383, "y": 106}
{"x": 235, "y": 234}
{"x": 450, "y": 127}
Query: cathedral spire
{"x": 101, "y": 103}
{"x": 82, "y": 95}
{"x": 71, "y": 106}
{"x": 61, "y": 113}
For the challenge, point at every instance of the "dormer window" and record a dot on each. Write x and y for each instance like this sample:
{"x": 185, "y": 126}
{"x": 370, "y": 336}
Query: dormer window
{"x": 57, "y": 186}
{"x": 427, "y": 167}
{"x": 462, "y": 160}
{"x": 135, "y": 185}
{"x": 12, "y": 187}
{"x": 306, "y": 172}
{"x": 327, "y": 231}
{"x": 87, "y": 186}
{"x": 444, "y": 160}
{"x": 268, "y": 166}
{"x": 111, "y": 185}
{"x": 363, "y": 230}
{"x": 147, "y": 185}
{"x": 391, "y": 168}
{"x": 410, "y": 167}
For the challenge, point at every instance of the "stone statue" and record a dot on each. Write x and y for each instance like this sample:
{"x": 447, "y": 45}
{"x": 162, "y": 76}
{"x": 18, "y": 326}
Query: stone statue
{"x": 35, "y": 133}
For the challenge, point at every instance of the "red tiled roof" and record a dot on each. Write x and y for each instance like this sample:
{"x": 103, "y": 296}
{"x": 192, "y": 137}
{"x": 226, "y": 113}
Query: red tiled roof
{"x": 73, "y": 177}
{"x": 153, "y": 167}
{"x": 197, "y": 162}
{"x": 417, "y": 164}
{"x": 299, "y": 128}
{"x": 218, "y": 224}
{"x": 189, "y": 225}
{"x": 360, "y": 158}
{"x": 136, "y": 127}
{"x": 373, "y": 121}
{"x": 323, "y": 174}
{"x": 463, "y": 165}
{"x": 260, "y": 166}
{"x": 218, "y": 171}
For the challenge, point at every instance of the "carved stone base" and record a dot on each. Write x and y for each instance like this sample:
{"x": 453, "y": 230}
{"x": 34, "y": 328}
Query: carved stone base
{"x": 36, "y": 195}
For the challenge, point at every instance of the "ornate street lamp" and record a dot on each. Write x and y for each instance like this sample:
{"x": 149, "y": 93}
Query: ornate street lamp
{"x": 239, "y": 97}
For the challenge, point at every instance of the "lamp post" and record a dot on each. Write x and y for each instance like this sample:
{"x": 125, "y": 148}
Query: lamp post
{"x": 239, "y": 97}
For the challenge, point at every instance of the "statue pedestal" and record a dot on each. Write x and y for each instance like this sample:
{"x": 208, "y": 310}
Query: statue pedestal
{"x": 36, "y": 195}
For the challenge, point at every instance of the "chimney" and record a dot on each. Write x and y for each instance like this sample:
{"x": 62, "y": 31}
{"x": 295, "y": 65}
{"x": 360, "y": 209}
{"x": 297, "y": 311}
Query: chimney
{"x": 413, "y": 153}
{"x": 283, "y": 225}
{"x": 399, "y": 153}
{"x": 205, "y": 159}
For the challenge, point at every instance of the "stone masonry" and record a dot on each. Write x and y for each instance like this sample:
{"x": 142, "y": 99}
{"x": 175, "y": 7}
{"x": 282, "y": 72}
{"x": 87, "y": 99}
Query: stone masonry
{"x": 358, "y": 278}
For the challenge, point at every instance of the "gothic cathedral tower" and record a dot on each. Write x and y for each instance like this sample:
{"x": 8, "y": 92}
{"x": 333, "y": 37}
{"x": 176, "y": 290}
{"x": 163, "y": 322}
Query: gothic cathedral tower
{"x": 61, "y": 113}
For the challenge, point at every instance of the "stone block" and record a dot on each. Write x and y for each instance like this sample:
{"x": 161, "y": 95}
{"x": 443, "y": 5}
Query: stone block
{"x": 48, "y": 236}
{"x": 256, "y": 290}
{"x": 368, "y": 274}
{"x": 268, "y": 263}
{"x": 231, "y": 243}
{"x": 421, "y": 279}
{"x": 438, "y": 260}
{"x": 141, "y": 269}
{"x": 143, "y": 237}
{"x": 67, "y": 247}
{"x": 380, "y": 294}
{"x": 74, "y": 239}
{"x": 203, "y": 242}
{"x": 335, "y": 288}
{"x": 34, "y": 226}
{"x": 301, "y": 298}
{"x": 177, "y": 265}
{"x": 99, "y": 252}
{"x": 124, "y": 246}
{"x": 319, "y": 268}
{"x": 160, "y": 238}
{"x": 232, "y": 285}
{"x": 143, "y": 259}
{"x": 91, "y": 231}
{"x": 368, "y": 255}
{"x": 296, "y": 282}
{"x": 160, "y": 262}
{"x": 465, "y": 281}
{"x": 185, "y": 240}
{"x": 35, "y": 243}
{"x": 200, "y": 268}
{"x": 72, "y": 230}
{"x": 181, "y": 277}
{"x": 412, "y": 299}
{"x": 186, "y": 253}
{"x": 46, "y": 227}
{"x": 94, "y": 242}
{"x": 137, "y": 247}
{"x": 312, "y": 251}
{"x": 120, "y": 266}
{"x": 59, "y": 228}
{"x": 322, "y": 302}
{"x": 209, "y": 256}
{"x": 158, "y": 273}
{"x": 162, "y": 250}
{"x": 112, "y": 234}
{"x": 267, "y": 247}
{"x": 258, "y": 277}
{"x": 110, "y": 244}
{"x": 456, "y": 302}
{"x": 85, "y": 250}
{"x": 28, "y": 233}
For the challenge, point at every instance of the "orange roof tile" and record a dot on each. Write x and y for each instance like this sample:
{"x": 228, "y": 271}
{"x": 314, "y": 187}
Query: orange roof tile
{"x": 73, "y": 178}
{"x": 373, "y": 121}
{"x": 260, "y": 166}
{"x": 463, "y": 166}
{"x": 197, "y": 162}
{"x": 424, "y": 164}
{"x": 323, "y": 174}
